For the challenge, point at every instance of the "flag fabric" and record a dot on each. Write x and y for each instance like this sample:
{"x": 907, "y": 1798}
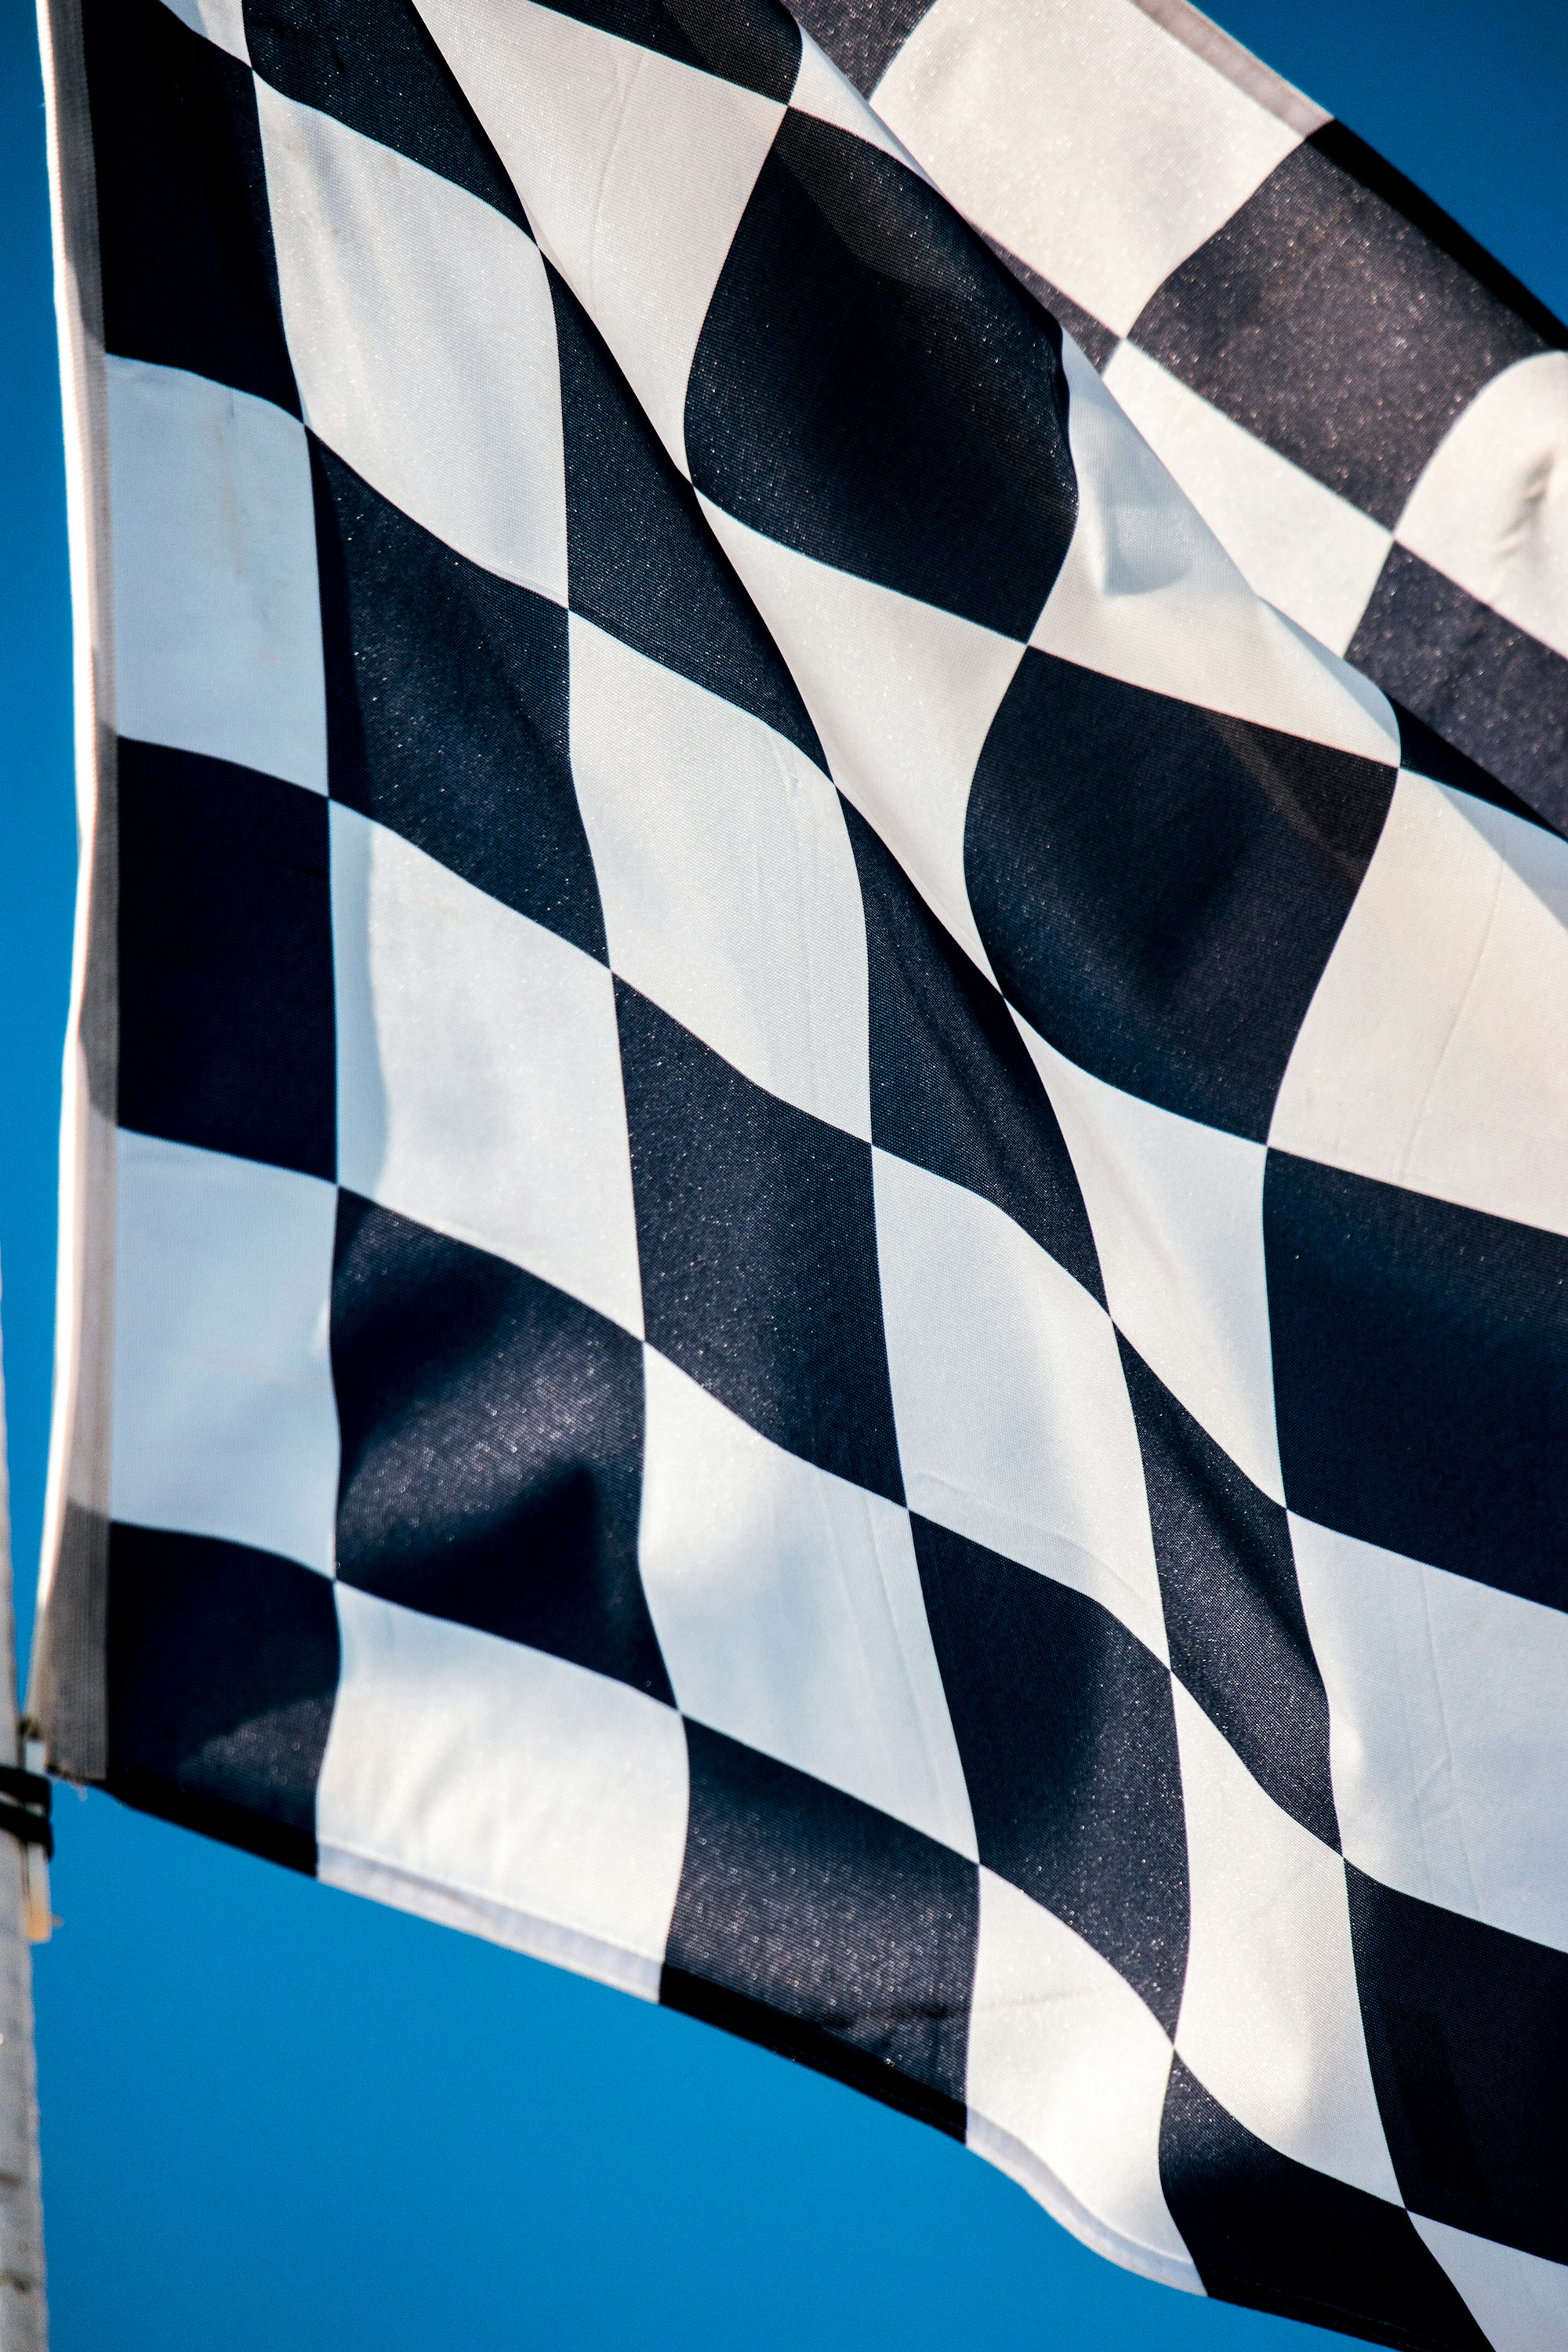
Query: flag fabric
{"x": 816, "y": 1231}
{"x": 1202, "y": 228}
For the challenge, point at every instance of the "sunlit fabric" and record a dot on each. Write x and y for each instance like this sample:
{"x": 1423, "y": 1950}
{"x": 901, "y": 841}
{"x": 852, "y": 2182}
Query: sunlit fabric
{"x": 816, "y": 1171}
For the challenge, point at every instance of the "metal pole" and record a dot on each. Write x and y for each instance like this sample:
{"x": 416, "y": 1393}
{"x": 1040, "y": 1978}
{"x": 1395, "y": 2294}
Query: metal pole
{"x": 23, "y": 1917}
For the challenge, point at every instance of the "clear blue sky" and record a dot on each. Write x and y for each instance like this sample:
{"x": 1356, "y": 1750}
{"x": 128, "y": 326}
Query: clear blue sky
{"x": 274, "y": 2116}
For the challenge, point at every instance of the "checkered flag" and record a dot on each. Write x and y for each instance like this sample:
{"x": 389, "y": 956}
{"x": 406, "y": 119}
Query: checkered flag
{"x": 817, "y": 1244}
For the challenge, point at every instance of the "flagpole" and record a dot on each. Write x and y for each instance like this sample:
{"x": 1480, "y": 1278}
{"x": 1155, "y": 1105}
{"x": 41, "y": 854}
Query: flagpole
{"x": 24, "y": 1919}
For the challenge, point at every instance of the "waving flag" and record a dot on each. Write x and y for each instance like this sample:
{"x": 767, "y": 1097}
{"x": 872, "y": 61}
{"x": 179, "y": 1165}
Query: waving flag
{"x": 816, "y": 1183}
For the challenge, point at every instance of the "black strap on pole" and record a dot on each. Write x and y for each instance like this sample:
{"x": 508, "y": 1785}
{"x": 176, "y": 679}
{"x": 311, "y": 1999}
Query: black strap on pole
{"x": 26, "y": 1799}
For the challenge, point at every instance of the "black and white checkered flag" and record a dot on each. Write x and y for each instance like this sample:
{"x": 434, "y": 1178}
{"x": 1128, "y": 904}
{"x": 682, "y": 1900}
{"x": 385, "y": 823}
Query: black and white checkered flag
{"x": 818, "y": 1191}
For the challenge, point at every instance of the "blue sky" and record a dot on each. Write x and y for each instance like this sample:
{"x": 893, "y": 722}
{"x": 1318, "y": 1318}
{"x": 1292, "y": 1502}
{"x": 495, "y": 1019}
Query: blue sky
{"x": 274, "y": 2115}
